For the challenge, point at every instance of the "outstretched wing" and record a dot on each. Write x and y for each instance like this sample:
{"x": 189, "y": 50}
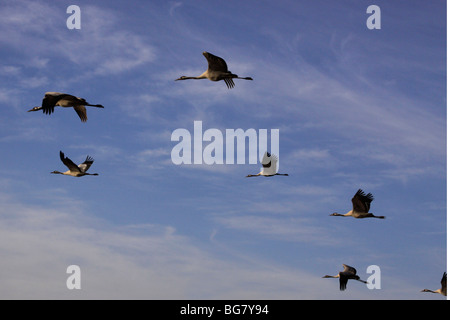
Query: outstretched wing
{"x": 269, "y": 163}
{"x": 343, "y": 279}
{"x": 86, "y": 164}
{"x": 349, "y": 272}
{"x": 50, "y": 100}
{"x": 81, "y": 111}
{"x": 266, "y": 160}
{"x": 349, "y": 269}
{"x": 444, "y": 283}
{"x": 229, "y": 82}
{"x": 361, "y": 201}
{"x": 68, "y": 163}
{"x": 215, "y": 63}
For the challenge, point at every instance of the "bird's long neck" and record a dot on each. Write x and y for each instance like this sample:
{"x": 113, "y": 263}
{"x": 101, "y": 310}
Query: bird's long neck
{"x": 432, "y": 291}
{"x": 57, "y": 172}
{"x": 202, "y": 76}
{"x": 35, "y": 108}
{"x": 281, "y": 174}
{"x": 348, "y": 214}
{"x": 327, "y": 276}
{"x": 254, "y": 175}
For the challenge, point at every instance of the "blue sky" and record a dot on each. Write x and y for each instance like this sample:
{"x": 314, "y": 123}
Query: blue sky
{"x": 356, "y": 108}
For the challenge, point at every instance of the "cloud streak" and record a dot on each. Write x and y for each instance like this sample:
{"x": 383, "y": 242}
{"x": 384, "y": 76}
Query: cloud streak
{"x": 98, "y": 48}
{"x": 121, "y": 262}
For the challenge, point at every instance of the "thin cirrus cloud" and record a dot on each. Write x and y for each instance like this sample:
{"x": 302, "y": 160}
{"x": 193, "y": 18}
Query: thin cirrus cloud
{"x": 127, "y": 262}
{"x": 110, "y": 51}
{"x": 101, "y": 49}
{"x": 287, "y": 229}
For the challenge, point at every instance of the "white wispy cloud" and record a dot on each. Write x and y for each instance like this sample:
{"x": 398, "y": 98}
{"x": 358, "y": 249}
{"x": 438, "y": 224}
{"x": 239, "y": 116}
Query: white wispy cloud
{"x": 287, "y": 229}
{"x": 123, "y": 262}
{"x": 98, "y": 48}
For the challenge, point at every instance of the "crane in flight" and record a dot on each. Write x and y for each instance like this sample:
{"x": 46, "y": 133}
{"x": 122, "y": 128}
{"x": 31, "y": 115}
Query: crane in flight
{"x": 76, "y": 170}
{"x": 349, "y": 273}
{"x": 52, "y": 99}
{"x": 269, "y": 169}
{"x": 443, "y": 289}
{"x": 361, "y": 206}
{"x": 217, "y": 70}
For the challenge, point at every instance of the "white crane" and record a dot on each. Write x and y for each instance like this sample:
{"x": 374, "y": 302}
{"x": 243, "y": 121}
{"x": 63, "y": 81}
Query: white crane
{"x": 217, "y": 70}
{"x": 52, "y": 99}
{"x": 361, "y": 206}
{"x": 443, "y": 289}
{"x": 76, "y": 170}
{"x": 344, "y": 276}
{"x": 269, "y": 169}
